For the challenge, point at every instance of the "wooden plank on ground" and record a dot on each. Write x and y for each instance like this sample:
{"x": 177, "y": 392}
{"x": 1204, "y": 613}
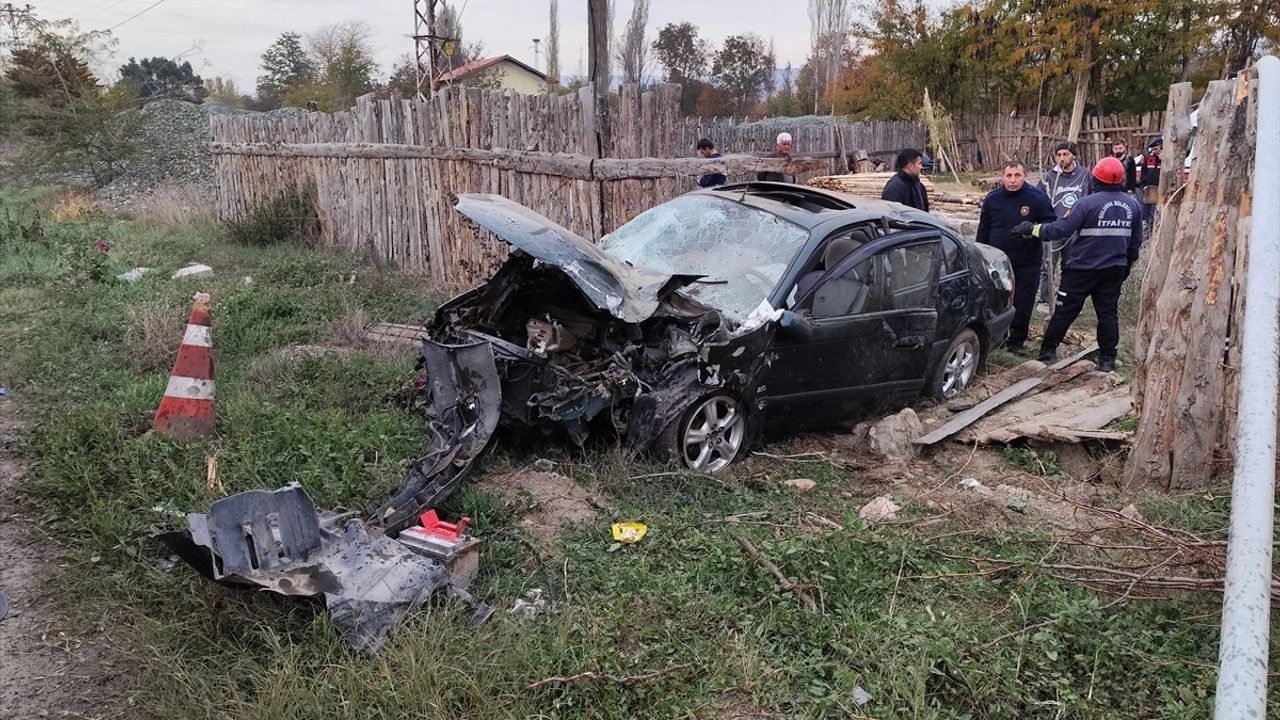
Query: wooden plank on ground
{"x": 975, "y": 413}
{"x": 396, "y": 333}
{"x": 1062, "y": 415}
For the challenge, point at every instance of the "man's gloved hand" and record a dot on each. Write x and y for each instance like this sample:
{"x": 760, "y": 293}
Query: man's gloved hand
{"x": 1022, "y": 229}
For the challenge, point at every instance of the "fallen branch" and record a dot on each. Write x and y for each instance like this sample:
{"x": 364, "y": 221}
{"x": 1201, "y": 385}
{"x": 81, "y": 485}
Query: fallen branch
{"x": 798, "y": 457}
{"x": 773, "y": 569}
{"x": 604, "y": 677}
{"x": 992, "y": 643}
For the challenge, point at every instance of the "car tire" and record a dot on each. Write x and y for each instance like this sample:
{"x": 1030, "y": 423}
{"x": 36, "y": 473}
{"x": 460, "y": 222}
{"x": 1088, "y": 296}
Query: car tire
{"x": 957, "y": 367}
{"x": 708, "y": 436}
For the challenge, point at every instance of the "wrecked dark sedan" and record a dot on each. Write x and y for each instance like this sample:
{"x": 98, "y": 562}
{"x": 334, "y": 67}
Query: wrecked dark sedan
{"x": 713, "y": 317}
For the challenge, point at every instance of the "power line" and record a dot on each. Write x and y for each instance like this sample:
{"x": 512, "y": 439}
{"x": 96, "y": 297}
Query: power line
{"x": 139, "y": 13}
{"x": 98, "y": 9}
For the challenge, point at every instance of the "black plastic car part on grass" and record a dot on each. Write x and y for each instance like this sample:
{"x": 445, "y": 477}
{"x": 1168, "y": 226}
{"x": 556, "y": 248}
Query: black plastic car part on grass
{"x": 724, "y": 314}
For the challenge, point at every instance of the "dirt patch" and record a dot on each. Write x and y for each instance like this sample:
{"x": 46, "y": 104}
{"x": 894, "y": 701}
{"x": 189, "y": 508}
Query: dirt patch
{"x": 45, "y": 671}
{"x": 545, "y": 503}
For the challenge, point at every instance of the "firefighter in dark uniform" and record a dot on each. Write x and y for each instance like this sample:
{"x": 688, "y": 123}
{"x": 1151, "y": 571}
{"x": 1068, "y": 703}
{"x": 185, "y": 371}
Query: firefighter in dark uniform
{"x": 1109, "y": 223}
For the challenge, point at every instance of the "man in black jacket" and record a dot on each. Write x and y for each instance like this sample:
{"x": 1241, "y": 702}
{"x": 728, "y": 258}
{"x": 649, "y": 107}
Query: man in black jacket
{"x": 1003, "y": 209}
{"x": 1109, "y": 223}
{"x": 1120, "y": 151}
{"x": 707, "y": 149}
{"x": 1150, "y": 181}
{"x": 905, "y": 186}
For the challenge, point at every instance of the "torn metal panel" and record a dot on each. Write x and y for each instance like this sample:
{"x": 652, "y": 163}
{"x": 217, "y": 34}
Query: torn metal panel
{"x": 466, "y": 396}
{"x": 276, "y": 540}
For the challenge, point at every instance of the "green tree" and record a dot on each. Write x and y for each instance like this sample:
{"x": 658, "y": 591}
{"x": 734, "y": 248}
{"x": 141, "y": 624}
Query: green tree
{"x": 285, "y": 66}
{"x": 683, "y": 57}
{"x": 158, "y": 77}
{"x": 8, "y": 109}
{"x": 59, "y": 102}
{"x": 49, "y": 73}
{"x": 742, "y": 68}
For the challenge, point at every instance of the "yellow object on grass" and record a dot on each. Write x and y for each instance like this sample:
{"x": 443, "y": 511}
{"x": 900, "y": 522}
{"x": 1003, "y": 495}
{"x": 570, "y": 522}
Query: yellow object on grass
{"x": 629, "y": 532}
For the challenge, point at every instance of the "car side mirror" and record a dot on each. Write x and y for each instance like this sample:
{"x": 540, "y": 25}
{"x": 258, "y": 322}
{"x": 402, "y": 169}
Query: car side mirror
{"x": 794, "y": 326}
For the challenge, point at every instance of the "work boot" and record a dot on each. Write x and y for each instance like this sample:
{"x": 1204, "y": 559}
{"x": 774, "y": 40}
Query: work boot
{"x": 1048, "y": 356}
{"x": 1020, "y": 350}
{"x": 1106, "y": 364}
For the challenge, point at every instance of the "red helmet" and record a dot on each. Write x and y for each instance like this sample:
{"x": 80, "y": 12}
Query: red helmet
{"x": 1109, "y": 171}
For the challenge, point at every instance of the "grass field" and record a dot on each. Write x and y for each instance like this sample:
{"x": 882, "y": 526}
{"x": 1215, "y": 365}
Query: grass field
{"x": 682, "y": 624}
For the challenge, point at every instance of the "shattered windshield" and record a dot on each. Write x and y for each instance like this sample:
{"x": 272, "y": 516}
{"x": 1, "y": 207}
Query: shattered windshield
{"x": 742, "y": 251}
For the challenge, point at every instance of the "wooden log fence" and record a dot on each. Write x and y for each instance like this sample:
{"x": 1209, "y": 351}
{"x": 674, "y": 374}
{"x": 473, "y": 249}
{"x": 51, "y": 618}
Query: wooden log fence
{"x": 383, "y": 177}
{"x": 986, "y": 141}
{"x": 835, "y": 139}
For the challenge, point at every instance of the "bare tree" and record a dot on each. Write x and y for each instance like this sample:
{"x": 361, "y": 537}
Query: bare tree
{"x": 829, "y": 25}
{"x": 633, "y": 51}
{"x": 344, "y": 53}
{"x": 553, "y": 45}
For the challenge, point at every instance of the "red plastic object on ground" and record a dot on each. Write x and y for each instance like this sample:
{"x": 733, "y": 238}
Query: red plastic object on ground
{"x": 433, "y": 525}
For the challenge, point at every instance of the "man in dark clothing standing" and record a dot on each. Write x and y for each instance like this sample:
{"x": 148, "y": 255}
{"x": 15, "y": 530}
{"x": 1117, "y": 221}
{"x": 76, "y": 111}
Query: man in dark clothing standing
{"x": 1003, "y": 209}
{"x": 1120, "y": 151}
{"x": 1065, "y": 183}
{"x": 905, "y": 186}
{"x": 1147, "y": 187}
{"x": 1097, "y": 263}
{"x": 782, "y": 147}
{"x": 707, "y": 149}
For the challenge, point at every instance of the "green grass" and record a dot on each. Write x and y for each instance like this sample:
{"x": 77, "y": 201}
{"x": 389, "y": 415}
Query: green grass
{"x": 686, "y": 602}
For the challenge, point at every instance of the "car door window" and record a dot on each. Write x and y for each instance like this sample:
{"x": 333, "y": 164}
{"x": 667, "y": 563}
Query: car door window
{"x": 853, "y": 293}
{"x": 952, "y": 257}
{"x": 908, "y": 271}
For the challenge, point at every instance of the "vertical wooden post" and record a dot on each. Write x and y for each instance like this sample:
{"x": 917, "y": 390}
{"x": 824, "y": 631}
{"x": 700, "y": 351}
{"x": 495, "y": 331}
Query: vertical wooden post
{"x": 598, "y": 68}
{"x": 1192, "y": 300}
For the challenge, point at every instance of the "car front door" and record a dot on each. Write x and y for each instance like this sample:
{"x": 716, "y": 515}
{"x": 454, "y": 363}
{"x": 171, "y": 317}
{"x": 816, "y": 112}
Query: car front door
{"x": 871, "y": 321}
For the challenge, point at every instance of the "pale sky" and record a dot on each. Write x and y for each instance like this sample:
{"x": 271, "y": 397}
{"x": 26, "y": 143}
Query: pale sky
{"x": 227, "y": 37}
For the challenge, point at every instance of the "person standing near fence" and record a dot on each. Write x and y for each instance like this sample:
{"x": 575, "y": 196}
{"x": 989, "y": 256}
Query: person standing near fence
{"x": 1149, "y": 185}
{"x": 1120, "y": 151}
{"x": 905, "y": 186}
{"x": 1065, "y": 183}
{"x": 782, "y": 150}
{"x": 707, "y": 149}
{"x": 1003, "y": 210}
{"x": 1109, "y": 223}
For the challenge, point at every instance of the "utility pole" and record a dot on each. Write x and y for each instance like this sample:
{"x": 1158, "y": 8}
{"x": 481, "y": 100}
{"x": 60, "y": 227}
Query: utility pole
{"x": 15, "y": 16}
{"x": 424, "y": 37}
{"x": 598, "y": 67}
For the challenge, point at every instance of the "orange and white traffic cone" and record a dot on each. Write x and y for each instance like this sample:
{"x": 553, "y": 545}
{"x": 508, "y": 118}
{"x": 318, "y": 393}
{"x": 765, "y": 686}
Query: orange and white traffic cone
{"x": 186, "y": 411}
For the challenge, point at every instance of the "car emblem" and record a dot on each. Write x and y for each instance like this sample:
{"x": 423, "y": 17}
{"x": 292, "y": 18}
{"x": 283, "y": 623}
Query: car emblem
{"x": 1025, "y": 211}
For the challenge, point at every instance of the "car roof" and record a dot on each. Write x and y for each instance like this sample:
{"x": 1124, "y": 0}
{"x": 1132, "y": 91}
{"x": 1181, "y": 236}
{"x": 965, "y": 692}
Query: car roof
{"x": 813, "y": 208}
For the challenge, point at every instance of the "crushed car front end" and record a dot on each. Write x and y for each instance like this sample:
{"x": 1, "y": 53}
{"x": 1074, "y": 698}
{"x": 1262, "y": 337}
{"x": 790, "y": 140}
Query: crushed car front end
{"x": 584, "y": 342}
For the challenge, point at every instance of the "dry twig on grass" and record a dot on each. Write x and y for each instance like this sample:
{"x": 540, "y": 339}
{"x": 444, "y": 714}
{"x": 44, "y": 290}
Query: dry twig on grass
{"x": 597, "y": 677}
{"x": 773, "y": 569}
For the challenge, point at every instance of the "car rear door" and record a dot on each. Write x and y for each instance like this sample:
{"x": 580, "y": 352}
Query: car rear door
{"x": 873, "y": 318}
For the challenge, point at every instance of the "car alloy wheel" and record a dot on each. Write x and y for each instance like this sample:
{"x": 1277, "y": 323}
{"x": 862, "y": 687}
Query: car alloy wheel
{"x": 712, "y": 433}
{"x": 960, "y": 365}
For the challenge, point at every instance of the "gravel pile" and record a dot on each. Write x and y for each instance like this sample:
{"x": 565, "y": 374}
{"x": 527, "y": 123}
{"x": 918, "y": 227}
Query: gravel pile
{"x": 793, "y": 122}
{"x": 172, "y": 149}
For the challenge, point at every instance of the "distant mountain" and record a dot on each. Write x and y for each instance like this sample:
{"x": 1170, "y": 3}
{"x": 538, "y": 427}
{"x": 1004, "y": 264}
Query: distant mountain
{"x": 780, "y": 76}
